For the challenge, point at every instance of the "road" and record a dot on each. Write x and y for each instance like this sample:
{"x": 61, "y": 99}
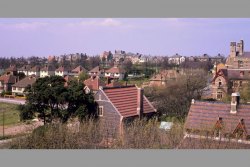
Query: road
{"x": 12, "y": 101}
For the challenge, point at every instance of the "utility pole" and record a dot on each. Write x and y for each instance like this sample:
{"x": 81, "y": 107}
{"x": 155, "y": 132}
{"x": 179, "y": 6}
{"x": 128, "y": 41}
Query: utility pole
{"x": 3, "y": 123}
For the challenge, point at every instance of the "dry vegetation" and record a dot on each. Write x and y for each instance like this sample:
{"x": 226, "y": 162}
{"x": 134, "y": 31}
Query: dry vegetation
{"x": 139, "y": 134}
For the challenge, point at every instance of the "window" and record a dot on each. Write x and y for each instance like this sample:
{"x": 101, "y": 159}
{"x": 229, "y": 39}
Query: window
{"x": 240, "y": 83}
{"x": 19, "y": 89}
{"x": 220, "y": 83}
{"x": 219, "y": 95}
{"x": 100, "y": 97}
{"x": 100, "y": 111}
{"x": 14, "y": 88}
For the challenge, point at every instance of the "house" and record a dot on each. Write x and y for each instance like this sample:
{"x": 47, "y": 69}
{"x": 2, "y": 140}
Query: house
{"x": 117, "y": 106}
{"x": 62, "y": 71}
{"x": 228, "y": 80}
{"x": 19, "y": 87}
{"x": 78, "y": 70}
{"x": 162, "y": 78}
{"x": 47, "y": 70}
{"x": 97, "y": 71}
{"x": 24, "y": 69}
{"x": 1, "y": 70}
{"x": 219, "y": 120}
{"x": 115, "y": 73}
{"x": 176, "y": 59}
{"x": 6, "y": 81}
{"x": 238, "y": 58}
{"x": 92, "y": 84}
{"x": 11, "y": 70}
{"x": 35, "y": 71}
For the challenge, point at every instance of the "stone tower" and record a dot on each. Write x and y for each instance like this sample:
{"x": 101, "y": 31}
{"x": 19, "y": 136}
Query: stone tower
{"x": 240, "y": 47}
{"x": 233, "y": 49}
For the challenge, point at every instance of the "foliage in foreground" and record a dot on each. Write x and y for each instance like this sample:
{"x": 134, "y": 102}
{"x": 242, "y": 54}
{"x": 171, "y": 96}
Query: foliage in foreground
{"x": 91, "y": 135}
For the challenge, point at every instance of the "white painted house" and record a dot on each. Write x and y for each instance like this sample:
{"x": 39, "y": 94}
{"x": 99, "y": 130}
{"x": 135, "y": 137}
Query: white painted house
{"x": 48, "y": 70}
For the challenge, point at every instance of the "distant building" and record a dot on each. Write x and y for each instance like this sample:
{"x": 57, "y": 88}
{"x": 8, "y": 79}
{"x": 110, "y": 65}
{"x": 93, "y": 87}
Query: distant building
{"x": 25, "y": 69}
{"x": 115, "y": 73}
{"x": 19, "y": 87}
{"x": 176, "y": 59}
{"x": 62, "y": 71}
{"x": 162, "y": 78}
{"x": 35, "y": 71}
{"x": 93, "y": 84}
{"x": 11, "y": 70}
{"x": 6, "y": 82}
{"x": 78, "y": 70}
{"x": 229, "y": 80}
{"x": 47, "y": 70}
{"x": 238, "y": 58}
{"x": 97, "y": 71}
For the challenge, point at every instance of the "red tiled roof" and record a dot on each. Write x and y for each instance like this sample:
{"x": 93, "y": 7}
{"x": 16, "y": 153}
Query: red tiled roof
{"x": 204, "y": 115}
{"x": 11, "y": 68}
{"x": 96, "y": 69}
{"x": 94, "y": 83}
{"x": 35, "y": 68}
{"x": 8, "y": 79}
{"x": 125, "y": 100}
{"x": 79, "y": 69}
{"x": 115, "y": 70}
{"x": 62, "y": 69}
{"x": 48, "y": 68}
{"x": 25, "y": 82}
{"x": 25, "y": 68}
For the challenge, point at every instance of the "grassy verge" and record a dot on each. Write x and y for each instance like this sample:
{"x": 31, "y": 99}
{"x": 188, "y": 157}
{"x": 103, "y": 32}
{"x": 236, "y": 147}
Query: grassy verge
{"x": 11, "y": 114}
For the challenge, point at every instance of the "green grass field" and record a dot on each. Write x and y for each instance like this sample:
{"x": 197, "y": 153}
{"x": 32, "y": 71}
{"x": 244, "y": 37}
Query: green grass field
{"x": 11, "y": 114}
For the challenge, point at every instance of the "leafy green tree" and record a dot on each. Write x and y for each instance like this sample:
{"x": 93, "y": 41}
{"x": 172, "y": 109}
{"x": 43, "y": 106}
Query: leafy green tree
{"x": 83, "y": 76}
{"x": 53, "y": 101}
{"x": 245, "y": 92}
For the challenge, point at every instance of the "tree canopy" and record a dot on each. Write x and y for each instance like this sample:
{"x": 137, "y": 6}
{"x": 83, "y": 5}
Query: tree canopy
{"x": 51, "y": 100}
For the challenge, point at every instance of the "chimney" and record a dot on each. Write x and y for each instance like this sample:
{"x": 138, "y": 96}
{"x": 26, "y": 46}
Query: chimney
{"x": 233, "y": 49}
{"x": 193, "y": 101}
{"x": 235, "y": 102}
{"x": 140, "y": 102}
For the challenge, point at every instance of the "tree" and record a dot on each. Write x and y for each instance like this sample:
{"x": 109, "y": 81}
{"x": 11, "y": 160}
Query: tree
{"x": 245, "y": 92}
{"x": 53, "y": 101}
{"x": 83, "y": 76}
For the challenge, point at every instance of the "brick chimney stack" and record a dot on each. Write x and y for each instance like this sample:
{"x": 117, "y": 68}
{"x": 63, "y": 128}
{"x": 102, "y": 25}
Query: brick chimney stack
{"x": 140, "y": 92}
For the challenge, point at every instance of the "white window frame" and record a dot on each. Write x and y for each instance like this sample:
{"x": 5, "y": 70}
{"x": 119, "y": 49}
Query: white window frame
{"x": 98, "y": 112}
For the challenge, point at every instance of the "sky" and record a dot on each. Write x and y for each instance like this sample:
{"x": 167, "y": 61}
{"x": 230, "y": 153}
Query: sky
{"x": 153, "y": 36}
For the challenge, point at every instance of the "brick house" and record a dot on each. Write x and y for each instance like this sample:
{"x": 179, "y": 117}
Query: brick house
{"x": 19, "y": 87}
{"x": 92, "y": 84}
{"x": 76, "y": 71}
{"x": 162, "y": 78}
{"x": 6, "y": 81}
{"x": 97, "y": 71}
{"x": 228, "y": 80}
{"x": 220, "y": 120}
{"x": 117, "y": 106}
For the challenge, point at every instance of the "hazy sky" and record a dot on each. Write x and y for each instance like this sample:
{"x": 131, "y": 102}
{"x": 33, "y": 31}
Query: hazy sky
{"x": 161, "y": 36}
